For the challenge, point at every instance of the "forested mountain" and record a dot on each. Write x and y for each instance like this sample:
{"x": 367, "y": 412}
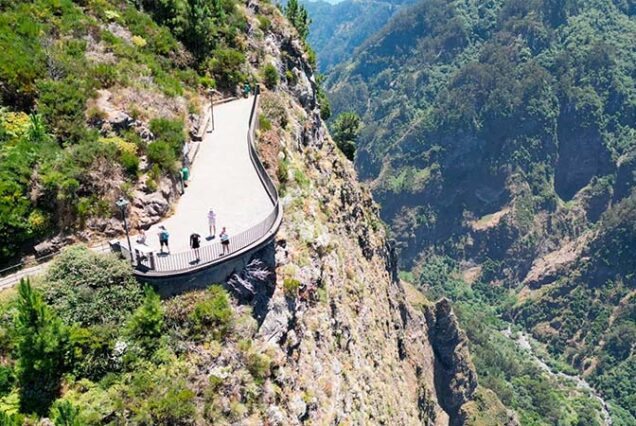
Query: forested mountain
{"x": 338, "y": 29}
{"x": 500, "y": 139}
{"x": 98, "y": 98}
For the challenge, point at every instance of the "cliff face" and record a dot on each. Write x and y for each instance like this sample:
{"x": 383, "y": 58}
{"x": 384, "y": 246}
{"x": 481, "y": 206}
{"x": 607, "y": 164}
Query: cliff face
{"x": 350, "y": 347}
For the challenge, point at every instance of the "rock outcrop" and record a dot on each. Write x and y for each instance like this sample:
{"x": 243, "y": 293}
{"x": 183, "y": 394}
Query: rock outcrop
{"x": 349, "y": 346}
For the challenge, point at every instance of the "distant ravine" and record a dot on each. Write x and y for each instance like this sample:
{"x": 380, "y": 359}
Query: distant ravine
{"x": 523, "y": 342}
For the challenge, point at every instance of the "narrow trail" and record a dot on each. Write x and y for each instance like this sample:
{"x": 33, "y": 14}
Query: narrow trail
{"x": 523, "y": 342}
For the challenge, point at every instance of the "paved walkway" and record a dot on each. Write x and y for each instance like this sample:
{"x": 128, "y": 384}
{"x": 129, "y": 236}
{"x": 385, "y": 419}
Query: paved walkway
{"x": 222, "y": 177}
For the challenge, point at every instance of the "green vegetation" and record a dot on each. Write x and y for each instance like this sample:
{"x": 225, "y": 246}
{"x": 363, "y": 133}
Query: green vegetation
{"x": 270, "y": 76}
{"x": 502, "y": 366}
{"x": 496, "y": 134}
{"x": 297, "y": 15}
{"x": 337, "y": 29}
{"x": 57, "y": 55}
{"x": 345, "y": 131}
{"x": 41, "y": 345}
{"x": 143, "y": 361}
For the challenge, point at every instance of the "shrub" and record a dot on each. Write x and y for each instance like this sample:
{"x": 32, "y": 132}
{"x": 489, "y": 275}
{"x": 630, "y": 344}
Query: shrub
{"x": 130, "y": 162}
{"x": 214, "y": 313}
{"x": 226, "y": 67}
{"x": 61, "y": 104}
{"x": 270, "y": 76}
{"x": 263, "y": 123}
{"x": 161, "y": 154}
{"x": 80, "y": 283}
{"x": 92, "y": 350}
{"x": 169, "y": 131}
{"x": 345, "y": 132}
{"x": 291, "y": 286}
{"x": 105, "y": 74}
{"x": 146, "y": 323}
{"x": 264, "y": 22}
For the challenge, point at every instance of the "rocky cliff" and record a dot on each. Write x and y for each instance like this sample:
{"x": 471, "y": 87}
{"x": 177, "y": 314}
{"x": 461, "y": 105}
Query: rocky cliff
{"x": 352, "y": 348}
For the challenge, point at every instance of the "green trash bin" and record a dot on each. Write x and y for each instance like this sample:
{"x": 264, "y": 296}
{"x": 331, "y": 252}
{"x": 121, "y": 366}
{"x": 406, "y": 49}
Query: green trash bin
{"x": 185, "y": 173}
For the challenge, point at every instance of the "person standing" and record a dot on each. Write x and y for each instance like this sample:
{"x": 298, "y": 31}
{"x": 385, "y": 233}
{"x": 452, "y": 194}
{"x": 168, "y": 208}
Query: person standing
{"x": 195, "y": 243}
{"x": 225, "y": 241}
{"x": 141, "y": 236}
{"x": 212, "y": 222}
{"x": 164, "y": 235}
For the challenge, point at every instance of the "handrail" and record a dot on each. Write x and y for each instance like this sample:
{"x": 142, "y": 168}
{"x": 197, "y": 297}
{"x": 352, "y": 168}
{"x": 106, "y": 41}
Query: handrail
{"x": 189, "y": 260}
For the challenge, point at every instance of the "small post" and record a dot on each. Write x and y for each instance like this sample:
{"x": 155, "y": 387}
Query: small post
{"x": 122, "y": 203}
{"x": 210, "y": 95}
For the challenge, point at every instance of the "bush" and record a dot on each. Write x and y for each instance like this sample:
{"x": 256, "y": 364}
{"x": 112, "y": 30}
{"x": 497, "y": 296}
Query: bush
{"x": 172, "y": 132}
{"x": 130, "y": 162}
{"x": 61, "y": 104}
{"x": 264, "y": 22}
{"x": 80, "y": 283}
{"x": 214, "y": 313}
{"x": 146, "y": 323}
{"x": 270, "y": 76}
{"x": 226, "y": 67}
{"x": 345, "y": 132}
{"x": 290, "y": 287}
{"x": 161, "y": 154}
{"x": 263, "y": 123}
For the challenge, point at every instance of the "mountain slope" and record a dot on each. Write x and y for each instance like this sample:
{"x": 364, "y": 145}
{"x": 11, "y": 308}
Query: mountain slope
{"x": 336, "y": 30}
{"x": 502, "y": 135}
{"x": 326, "y": 336}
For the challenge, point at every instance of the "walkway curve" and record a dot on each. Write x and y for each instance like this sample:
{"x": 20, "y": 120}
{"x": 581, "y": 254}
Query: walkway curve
{"x": 229, "y": 177}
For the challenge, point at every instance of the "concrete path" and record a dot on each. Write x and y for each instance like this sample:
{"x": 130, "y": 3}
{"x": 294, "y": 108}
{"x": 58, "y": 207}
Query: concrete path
{"x": 222, "y": 177}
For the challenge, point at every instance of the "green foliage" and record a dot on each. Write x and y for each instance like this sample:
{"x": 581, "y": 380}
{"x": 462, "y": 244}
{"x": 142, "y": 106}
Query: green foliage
{"x": 41, "y": 343}
{"x": 226, "y": 65}
{"x": 297, "y": 15}
{"x": 64, "y": 414}
{"x": 145, "y": 325}
{"x": 199, "y": 24}
{"x": 80, "y": 283}
{"x": 290, "y": 287}
{"x": 61, "y": 104}
{"x": 162, "y": 154}
{"x": 263, "y": 123}
{"x": 264, "y": 22}
{"x": 213, "y": 314}
{"x": 171, "y": 132}
{"x": 345, "y": 130}
{"x": 270, "y": 76}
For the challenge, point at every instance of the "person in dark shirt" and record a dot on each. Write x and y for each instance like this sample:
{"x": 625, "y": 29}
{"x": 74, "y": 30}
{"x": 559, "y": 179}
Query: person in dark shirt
{"x": 195, "y": 243}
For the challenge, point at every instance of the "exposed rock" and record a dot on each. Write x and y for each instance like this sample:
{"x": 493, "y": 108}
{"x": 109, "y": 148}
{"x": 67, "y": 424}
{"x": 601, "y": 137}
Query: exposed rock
{"x": 456, "y": 380}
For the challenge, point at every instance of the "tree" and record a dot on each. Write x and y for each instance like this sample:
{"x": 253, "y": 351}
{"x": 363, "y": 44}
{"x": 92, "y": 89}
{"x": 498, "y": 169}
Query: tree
{"x": 346, "y": 129}
{"x": 298, "y": 16}
{"x": 42, "y": 344}
{"x": 147, "y": 322}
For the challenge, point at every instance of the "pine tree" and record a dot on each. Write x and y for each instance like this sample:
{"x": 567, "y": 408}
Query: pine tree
{"x": 42, "y": 345}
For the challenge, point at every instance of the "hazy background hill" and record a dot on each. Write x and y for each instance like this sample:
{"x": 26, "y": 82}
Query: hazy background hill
{"x": 338, "y": 28}
{"x": 500, "y": 140}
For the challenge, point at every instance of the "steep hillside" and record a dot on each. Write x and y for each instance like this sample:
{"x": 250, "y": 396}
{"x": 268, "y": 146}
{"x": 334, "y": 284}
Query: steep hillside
{"x": 502, "y": 136}
{"x": 336, "y": 30}
{"x": 328, "y": 336}
{"x": 96, "y": 101}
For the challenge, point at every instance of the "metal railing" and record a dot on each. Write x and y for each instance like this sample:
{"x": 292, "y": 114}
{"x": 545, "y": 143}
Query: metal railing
{"x": 213, "y": 253}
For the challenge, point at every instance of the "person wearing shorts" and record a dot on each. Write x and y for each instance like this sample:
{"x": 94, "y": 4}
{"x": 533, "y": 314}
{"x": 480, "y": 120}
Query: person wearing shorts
{"x": 212, "y": 222}
{"x": 225, "y": 241}
{"x": 195, "y": 243}
{"x": 163, "y": 238}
